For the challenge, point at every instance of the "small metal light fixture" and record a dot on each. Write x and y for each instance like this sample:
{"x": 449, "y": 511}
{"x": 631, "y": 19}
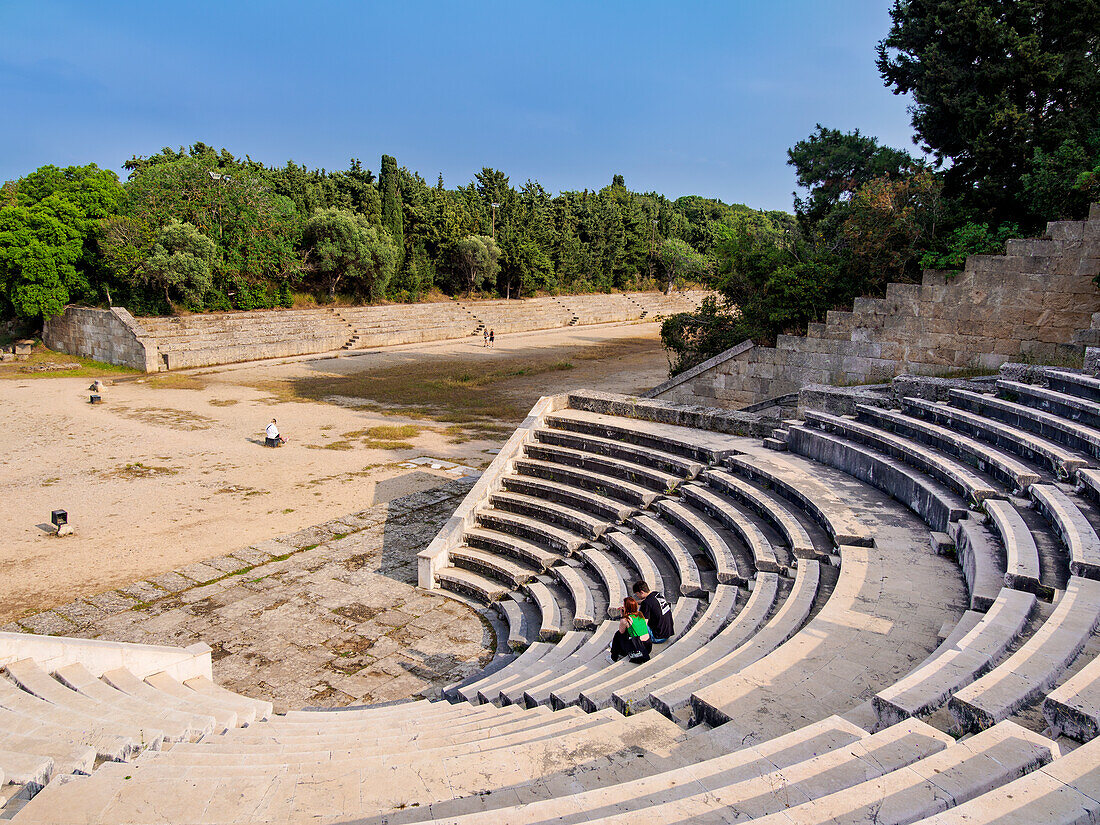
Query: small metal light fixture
{"x": 59, "y": 517}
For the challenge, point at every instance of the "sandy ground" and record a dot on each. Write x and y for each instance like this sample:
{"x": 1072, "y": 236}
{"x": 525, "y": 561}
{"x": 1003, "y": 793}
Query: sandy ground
{"x": 171, "y": 470}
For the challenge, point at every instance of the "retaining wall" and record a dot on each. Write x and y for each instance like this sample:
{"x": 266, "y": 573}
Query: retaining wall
{"x": 166, "y": 343}
{"x": 1034, "y": 303}
{"x": 109, "y": 335}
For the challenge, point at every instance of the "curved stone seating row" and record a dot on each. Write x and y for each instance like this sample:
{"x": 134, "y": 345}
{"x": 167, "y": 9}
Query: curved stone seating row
{"x": 1062, "y": 404}
{"x": 1073, "y": 383}
{"x": 660, "y": 437}
{"x": 1033, "y": 669}
{"x": 984, "y": 569}
{"x": 670, "y": 690}
{"x": 955, "y": 665}
{"x": 1022, "y": 567}
{"x": 597, "y": 693}
{"x": 935, "y": 504}
{"x": 594, "y": 486}
{"x": 834, "y": 515}
{"x": 1012, "y": 473}
{"x": 763, "y": 554}
{"x": 930, "y": 462}
{"x": 596, "y": 671}
{"x": 1072, "y": 527}
{"x": 768, "y": 507}
{"x": 677, "y": 551}
{"x": 729, "y": 567}
{"x": 1061, "y": 460}
{"x": 1061, "y": 430}
{"x": 646, "y": 466}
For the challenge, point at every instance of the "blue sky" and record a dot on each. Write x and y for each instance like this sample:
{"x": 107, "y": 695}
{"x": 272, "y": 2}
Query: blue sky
{"x": 679, "y": 97}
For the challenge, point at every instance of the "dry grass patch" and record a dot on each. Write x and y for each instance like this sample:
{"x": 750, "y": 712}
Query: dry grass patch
{"x": 130, "y": 472}
{"x": 222, "y": 402}
{"x": 45, "y": 363}
{"x": 176, "y": 381}
{"x": 167, "y": 417}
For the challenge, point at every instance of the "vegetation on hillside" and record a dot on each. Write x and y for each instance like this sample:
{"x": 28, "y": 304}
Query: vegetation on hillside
{"x": 200, "y": 229}
{"x": 1007, "y": 115}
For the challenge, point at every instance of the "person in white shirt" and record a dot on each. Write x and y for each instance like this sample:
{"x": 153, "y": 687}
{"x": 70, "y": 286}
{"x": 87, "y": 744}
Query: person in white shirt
{"x": 272, "y": 437}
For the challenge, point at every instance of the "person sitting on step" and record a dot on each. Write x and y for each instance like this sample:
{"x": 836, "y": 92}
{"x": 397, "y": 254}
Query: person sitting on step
{"x": 655, "y": 610}
{"x": 632, "y": 639}
{"x": 272, "y": 437}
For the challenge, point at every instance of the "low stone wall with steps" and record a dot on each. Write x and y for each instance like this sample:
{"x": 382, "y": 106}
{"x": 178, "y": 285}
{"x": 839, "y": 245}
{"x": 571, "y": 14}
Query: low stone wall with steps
{"x": 167, "y": 343}
{"x": 1034, "y": 303}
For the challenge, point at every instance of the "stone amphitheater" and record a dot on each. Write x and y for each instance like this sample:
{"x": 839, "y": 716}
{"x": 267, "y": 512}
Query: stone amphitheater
{"x": 886, "y": 601}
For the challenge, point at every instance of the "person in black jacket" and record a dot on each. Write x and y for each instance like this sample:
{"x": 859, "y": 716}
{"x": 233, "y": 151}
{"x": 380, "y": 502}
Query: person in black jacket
{"x": 657, "y": 613}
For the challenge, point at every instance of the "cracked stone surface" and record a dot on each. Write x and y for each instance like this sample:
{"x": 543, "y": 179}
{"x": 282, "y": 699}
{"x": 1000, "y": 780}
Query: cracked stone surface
{"x": 339, "y": 621}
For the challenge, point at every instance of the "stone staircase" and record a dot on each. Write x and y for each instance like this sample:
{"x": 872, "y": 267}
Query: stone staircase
{"x": 1034, "y": 303}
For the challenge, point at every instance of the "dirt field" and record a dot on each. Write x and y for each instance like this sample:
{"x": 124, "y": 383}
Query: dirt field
{"x": 171, "y": 468}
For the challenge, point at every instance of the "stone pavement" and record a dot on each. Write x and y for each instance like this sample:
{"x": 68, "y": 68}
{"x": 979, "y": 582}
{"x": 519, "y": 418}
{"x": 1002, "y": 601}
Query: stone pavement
{"x": 326, "y": 616}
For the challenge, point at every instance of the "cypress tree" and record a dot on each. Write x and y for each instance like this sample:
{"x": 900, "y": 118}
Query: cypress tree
{"x": 392, "y": 212}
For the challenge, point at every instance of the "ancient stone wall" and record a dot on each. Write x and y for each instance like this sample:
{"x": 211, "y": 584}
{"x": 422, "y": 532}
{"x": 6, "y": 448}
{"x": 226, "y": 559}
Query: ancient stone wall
{"x": 1035, "y": 303}
{"x": 167, "y": 343}
{"x": 108, "y": 335}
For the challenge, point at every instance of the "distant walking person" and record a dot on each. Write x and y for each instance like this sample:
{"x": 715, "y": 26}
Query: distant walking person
{"x": 485, "y": 333}
{"x": 492, "y": 337}
{"x": 632, "y": 639}
{"x": 272, "y": 437}
{"x": 655, "y": 610}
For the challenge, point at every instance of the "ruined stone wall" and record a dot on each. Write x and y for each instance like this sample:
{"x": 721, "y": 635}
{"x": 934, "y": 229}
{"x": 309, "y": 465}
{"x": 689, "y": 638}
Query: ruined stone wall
{"x": 108, "y": 335}
{"x": 1033, "y": 303}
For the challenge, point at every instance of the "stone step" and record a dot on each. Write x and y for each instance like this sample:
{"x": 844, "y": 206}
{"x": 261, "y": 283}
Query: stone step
{"x": 670, "y": 692}
{"x": 467, "y": 690}
{"x": 520, "y": 631}
{"x": 551, "y": 624}
{"x": 1069, "y": 433}
{"x": 66, "y": 755}
{"x": 730, "y": 568}
{"x": 710, "y": 696}
{"x": 949, "y": 778}
{"x": 539, "y": 532}
{"x": 600, "y": 484}
{"x": 652, "y": 469}
{"x": 1063, "y": 792}
{"x": 1022, "y": 553}
{"x": 534, "y": 691}
{"x": 499, "y": 543}
{"x": 1006, "y": 469}
{"x": 637, "y": 554}
{"x": 1036, "y": 666}
{"x": 584, "y": 601}
{"x": 823, "y": 506}
{"x": 983, "y": 565}
{"x": 27, "y": 715}
{"x": 705, "y": 499}
{"x": 1073, "y": 383}
{"x": 467, "y": 581}
{"x": 1059, "y": 459}
{"x": 951, "y": 667}
{"x": 935, "y": 504}
{"x": 599, "y": 670}
{"x": 127, "y": 682}
{"x": 1061, "y": 404}
{"x": 492, "y": 565}
{"x": 927, "y": 461}
{"x": 673, "y": 547}
{"x": 490, "y": 690}
{"x": 599, "y": 694}
{"x": 549, "y": 512}
{"x": 1072, "y": 527}
{"x": 666, "y": 438}
{"x": 768, "y": 507}
{"x": 178, "y": 725}
{"x": 529, "y": 482}
{"x": 245, "y": 708}
{"x": 609, "y": 576}
{"x": 145, "y": 727}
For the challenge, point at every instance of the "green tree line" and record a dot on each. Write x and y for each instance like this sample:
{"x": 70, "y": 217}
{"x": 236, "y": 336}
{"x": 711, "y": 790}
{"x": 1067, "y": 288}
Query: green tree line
{"x": 1006, "y": 114}
{"x": 199, "y": 229}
